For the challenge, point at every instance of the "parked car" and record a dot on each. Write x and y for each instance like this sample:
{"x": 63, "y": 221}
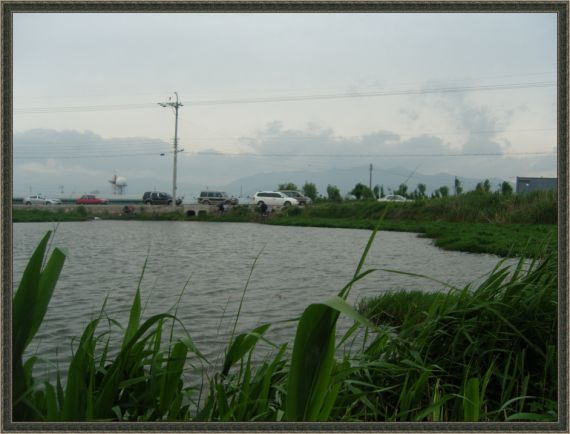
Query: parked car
{"x": 38, "y": 199}
{"x": 211, "y": 197}
{"x": 303, "y": 200}
{"x": 91, "y": 199}
{"x": 158, "y": 198}
{"x": 393, "y": 198}
{"x": 274, "y": 198}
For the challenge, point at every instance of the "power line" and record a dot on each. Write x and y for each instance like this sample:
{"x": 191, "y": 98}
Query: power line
{"x": 280, "y": 155}
{"x": 69, "y": 157}
{"x": 491, "y": 87}
{"x": 481, "y": 154}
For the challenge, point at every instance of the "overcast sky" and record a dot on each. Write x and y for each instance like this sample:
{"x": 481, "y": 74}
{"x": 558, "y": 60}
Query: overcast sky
{"x": 280, "y": 86}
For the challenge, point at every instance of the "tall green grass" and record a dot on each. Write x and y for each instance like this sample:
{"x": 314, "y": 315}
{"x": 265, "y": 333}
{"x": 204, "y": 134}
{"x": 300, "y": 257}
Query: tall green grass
{"x": 485, "y": 353}
{"x": 538, "y": 207}
{"x": 490, "y": 351}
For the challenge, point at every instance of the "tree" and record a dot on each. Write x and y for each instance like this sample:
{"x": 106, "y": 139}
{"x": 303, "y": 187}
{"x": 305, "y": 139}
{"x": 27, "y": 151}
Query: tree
{"x": 382, "y": 191}
{"x": 361, "y": 191}
{"x": 310, "y": 190}
{"x": 457, "y": 186}
{"x": 483, "y": 187}
{"x": 287, "y": 186}
{"x": 506, "y": 189}
{"x": 334, "y": 193}
{"x": 444, "y": 191}
{"x": 402, "y": 190}
{"x": 376, "y": 191}
{"x": 421, "y": 189}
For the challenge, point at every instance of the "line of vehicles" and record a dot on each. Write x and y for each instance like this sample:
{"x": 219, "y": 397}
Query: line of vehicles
{"x": 206, "y": 197}
{"x": 86, "y": 199}
{"x": 279, "y": 198}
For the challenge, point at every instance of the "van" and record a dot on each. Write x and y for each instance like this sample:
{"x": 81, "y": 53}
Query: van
{"x": 212, "y": 197}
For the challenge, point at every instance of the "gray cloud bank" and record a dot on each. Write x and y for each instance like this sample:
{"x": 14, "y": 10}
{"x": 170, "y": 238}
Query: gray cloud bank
{"x": 76, "y": 162}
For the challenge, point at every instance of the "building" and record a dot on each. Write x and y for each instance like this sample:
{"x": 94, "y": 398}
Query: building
{"x": 527, "y": 184}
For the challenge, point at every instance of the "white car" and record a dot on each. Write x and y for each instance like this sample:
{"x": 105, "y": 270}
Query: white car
{"x": 39, "y": 199}
{"x": 393, "y": 198}
{"x": 274, "y": 198}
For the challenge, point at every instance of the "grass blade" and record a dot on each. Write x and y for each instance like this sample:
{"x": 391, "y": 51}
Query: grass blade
{"x": 311, "y": 363}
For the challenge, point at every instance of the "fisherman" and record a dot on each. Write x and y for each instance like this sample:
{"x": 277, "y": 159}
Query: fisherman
{"x": 263, "y": 208}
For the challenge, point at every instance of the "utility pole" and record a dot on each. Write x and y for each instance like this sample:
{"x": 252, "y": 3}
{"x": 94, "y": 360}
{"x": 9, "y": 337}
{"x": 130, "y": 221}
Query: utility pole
{"x": 175, "y": 106}
{"x": 370, "y": 179}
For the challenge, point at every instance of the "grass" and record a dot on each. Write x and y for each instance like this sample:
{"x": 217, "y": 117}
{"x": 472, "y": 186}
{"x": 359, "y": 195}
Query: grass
{"x": 495, "y": 344}
{"x": 473, "y": 222}
{"x": 539, "y": 207}
{"x": 502, "y": 240}
{"x": 39, "y": 215}
{"x": 485, "y": 353}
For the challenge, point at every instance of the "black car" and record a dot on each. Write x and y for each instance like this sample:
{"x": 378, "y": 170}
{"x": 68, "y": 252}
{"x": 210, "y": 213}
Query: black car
{"x": 158, "y": 198}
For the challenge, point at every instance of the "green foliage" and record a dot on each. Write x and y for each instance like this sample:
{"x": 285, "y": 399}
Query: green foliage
{"x": 82, "y": 211}
{"x": 39, "y": 215}
{"x": 287, "y": 186}
{"x": 310, "y": 190}
{"x": 457, "y": 186}
{"x": 421, "y": 191}
{"x": 333, "y": 193}
{"x": 361, "y": 191}
{"x": 312, "y": 360}
{"x": 488, "y": 351}
{"x": 483, "y": 187}
{"x": 506, "y": 188}
{"x": 539, "y": 207}
{"x": 402, "y": 190}
{"x": 29, "y": 306}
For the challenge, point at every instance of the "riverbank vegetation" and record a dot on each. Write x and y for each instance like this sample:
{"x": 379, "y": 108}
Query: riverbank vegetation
{"x": 479, "y": 353}
{"x": 478, "y": 221}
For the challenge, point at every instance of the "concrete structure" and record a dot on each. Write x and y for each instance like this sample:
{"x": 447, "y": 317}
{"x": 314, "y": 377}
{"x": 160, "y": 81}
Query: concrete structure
{"x": 527, "y": 184}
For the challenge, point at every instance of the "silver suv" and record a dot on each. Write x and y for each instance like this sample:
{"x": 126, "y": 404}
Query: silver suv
{"x": 211, "y": 197}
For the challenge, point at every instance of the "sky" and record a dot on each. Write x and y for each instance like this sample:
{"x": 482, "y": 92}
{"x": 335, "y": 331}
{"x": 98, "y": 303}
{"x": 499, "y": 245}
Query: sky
{"x": 280, "y": 92}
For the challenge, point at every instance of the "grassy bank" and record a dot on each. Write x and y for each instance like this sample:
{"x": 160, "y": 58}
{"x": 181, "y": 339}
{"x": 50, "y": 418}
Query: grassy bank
{"x": 471, "y": 354}
{"x": 539, "y": 207}
{"x": 472, "y": 222}
{"x": 502, "y": 240}
{"x": 40, "y": 215}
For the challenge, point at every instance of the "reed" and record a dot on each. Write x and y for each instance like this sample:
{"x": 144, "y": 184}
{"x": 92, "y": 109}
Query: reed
{"x": 485, "y": 353}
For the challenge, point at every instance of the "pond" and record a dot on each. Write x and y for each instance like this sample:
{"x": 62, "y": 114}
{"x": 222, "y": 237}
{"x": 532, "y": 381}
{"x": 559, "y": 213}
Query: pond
{"x": 294, "y": 266}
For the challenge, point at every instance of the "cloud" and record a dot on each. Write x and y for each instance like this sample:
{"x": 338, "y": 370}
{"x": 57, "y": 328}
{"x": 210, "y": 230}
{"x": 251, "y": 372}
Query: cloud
{"x": 272, "y": 149}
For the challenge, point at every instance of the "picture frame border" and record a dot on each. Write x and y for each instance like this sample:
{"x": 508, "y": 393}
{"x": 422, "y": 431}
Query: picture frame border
{"x": 9, "y": 8}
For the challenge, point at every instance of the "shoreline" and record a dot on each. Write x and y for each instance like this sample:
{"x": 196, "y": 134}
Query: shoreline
{"x": 507, "y": 239}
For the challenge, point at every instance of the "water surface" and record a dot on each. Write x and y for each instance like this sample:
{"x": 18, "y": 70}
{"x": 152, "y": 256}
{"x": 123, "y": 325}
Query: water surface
{"x": 295, "y": 266}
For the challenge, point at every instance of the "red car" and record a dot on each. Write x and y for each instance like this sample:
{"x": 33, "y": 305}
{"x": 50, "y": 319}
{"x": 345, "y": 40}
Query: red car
{"x": 90, "y": 199}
